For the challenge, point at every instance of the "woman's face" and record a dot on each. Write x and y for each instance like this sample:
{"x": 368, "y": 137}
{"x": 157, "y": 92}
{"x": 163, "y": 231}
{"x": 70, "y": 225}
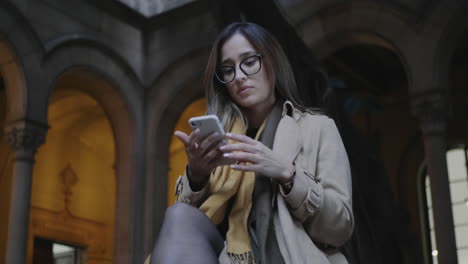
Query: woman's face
{"x": 248, "y": 91}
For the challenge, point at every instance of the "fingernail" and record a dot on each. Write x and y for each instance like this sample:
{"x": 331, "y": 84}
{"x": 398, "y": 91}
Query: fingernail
{"x": 228, "y": 134}
{"x": 226, "y": 155}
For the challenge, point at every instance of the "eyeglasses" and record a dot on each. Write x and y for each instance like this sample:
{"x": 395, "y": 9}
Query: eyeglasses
{"x": 249, "y": 66}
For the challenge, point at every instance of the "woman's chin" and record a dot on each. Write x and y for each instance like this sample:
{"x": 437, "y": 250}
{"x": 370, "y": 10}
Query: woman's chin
{"x": 246, "y": 103}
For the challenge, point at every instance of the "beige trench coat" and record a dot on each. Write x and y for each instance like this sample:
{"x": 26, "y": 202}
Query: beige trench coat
{"x": 319, "y": 206}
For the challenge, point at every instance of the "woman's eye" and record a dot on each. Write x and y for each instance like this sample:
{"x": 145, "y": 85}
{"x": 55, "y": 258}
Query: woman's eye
{"x": 250, "y": 62}
{"x": 227, "y": 70}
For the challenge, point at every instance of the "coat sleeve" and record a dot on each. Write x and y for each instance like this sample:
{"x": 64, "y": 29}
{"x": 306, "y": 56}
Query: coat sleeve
{"x": 185, "y": 194}
{"x": 321, "y": 199}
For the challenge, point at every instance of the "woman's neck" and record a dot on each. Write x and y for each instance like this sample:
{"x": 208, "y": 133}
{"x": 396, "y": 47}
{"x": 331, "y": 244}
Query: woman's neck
{"x": 257, "y": 115}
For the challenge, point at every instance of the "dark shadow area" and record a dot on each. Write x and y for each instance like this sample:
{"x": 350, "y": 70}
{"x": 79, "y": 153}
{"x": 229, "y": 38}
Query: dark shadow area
{"x": 457, "y": 126}
{"x": 370, "y": 88}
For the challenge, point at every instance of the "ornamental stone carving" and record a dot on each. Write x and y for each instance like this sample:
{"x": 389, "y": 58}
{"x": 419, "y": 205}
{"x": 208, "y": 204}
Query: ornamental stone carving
{"x": 68, "y": 179}
{"x": 432, "y": 110}
{"x": 25, "y": 137}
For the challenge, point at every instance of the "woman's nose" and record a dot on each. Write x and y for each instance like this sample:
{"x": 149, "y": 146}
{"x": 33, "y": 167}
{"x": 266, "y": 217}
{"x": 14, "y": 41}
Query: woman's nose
{"x": 240, "y": 75}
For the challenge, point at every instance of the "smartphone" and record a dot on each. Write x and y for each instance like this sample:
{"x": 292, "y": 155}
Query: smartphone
{"x": 207, "y": 124}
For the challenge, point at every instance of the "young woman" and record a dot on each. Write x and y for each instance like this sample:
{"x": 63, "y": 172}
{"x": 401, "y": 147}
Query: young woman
{"x": 286, "y": 197}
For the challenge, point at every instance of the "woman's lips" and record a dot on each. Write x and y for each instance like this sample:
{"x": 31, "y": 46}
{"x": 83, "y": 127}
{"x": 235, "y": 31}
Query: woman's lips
{"x": 244, "y": 89}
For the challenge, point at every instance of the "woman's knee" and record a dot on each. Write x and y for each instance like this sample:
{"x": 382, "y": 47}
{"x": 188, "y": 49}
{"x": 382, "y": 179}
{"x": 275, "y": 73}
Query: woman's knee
{"x": 182, "y": 212}
{"x": 182, "y": 218}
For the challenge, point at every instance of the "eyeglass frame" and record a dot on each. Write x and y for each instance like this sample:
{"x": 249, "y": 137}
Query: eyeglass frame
{"x": 235, "y": 71}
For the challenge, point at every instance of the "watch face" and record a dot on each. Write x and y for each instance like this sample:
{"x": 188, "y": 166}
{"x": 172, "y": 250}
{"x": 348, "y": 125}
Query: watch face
{"x": 287, "y": 186}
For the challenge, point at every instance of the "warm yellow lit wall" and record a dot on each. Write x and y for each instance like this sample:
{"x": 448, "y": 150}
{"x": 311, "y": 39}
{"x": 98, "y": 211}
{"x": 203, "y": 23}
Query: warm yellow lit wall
{"x": 6, "y": 169}
{"x": 74, "y": 174}
{"x": 177, "y": 156}
{"x": 6, "y": 163}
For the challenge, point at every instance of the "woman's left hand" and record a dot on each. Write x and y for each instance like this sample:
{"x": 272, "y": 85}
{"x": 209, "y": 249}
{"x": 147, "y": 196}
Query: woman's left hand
{"x": 252, "y": 155}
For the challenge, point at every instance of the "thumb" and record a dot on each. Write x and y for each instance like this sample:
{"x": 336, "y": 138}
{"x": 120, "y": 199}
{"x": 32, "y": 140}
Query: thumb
{"x": 182, "y": 136}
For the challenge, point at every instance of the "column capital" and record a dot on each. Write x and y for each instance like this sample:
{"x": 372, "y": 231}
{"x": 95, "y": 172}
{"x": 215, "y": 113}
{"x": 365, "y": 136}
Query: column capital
{"x": 432, "y": 110}
{"x": 25, "y": 137}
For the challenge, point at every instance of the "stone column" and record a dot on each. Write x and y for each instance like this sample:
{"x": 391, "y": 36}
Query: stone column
{"x": 25, "y": 137}
{"x": 432, "y": 111}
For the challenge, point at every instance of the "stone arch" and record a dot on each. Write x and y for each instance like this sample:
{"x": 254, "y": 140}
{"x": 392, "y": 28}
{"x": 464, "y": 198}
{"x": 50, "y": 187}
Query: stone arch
{"x": 19, "y": 46}
{"x": 366, "y": 22}
{"x": 452, "y": 31}
{"x": 363, "y": 23}
{"x": 70, "y": 52}
{"x": 18, "y": 43}
{"x": 78, "y": 156}
{"x": 15, "y": 83}
{"x": 89, "y": 41}
{"x": 118, "y": 91}
{"x": 170, "y": 94}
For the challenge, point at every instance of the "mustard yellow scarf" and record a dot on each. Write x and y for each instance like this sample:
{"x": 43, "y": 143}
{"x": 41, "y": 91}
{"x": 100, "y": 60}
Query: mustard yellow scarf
{"x": 226, "y": 183}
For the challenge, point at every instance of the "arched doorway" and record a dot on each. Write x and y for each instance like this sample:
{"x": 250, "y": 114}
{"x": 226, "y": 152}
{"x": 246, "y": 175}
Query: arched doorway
{"x": 74, "y": 183}
{"x": 371, "y": 85}
{"x": 177, "y": 156}
{"x": 457, "y": 161}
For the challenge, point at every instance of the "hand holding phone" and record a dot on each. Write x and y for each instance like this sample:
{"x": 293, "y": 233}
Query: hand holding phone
{"x": 202, "y": 147}
{"x": 208, "y": 124}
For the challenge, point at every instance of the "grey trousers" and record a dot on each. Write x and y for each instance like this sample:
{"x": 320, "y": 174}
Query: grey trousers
{"x": 187, "y": 236}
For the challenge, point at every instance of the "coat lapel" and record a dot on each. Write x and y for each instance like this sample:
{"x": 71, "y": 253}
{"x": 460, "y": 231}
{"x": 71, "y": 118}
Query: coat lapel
{"x": 287, "y": 138}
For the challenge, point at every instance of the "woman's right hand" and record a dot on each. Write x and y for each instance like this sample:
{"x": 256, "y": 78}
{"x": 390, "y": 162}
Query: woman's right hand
{"x": 203, "y": 157}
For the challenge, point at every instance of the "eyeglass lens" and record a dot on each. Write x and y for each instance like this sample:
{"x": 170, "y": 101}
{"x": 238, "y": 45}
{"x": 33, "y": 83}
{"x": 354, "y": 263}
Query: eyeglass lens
{"x": 248, "y": 66}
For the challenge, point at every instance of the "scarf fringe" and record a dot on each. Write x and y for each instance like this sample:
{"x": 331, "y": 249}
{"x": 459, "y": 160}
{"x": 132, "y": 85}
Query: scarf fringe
{"x": 244, "y": 258}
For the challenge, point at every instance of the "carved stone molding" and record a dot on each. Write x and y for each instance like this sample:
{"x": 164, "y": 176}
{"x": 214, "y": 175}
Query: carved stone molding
{"x": 96, "y": 237}
{"x": 432, "y": 110}
{"x": 25, "y": 137}
{"x": 68, "y": 179}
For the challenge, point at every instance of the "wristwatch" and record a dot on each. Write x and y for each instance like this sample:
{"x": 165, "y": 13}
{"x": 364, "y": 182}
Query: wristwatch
{"x": 289, "y": 185}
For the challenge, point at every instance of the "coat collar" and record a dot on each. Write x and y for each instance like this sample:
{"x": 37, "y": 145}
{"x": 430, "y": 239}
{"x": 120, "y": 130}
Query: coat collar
{"x": 290, "y": 110}
{"x": 287, "y": 138}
